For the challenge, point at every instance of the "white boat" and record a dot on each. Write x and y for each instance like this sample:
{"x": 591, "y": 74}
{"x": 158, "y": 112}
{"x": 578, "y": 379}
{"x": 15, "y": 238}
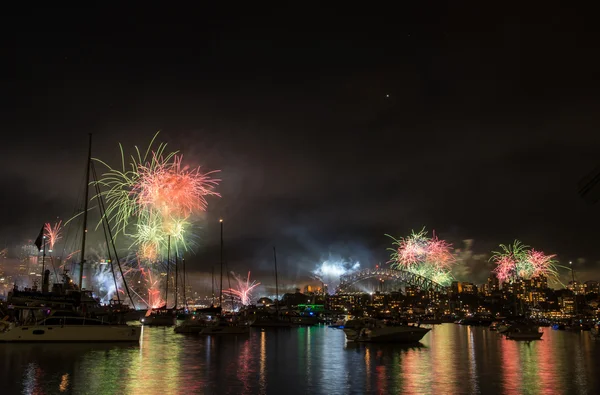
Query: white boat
{"x": 370, "y": 330}
{"x": 57, "y": 328}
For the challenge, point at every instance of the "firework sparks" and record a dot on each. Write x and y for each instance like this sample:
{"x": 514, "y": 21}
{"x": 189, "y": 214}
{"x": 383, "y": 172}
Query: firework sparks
{"x": 424, "y": 256}
{"x": 158, "y": 196}
{"x": 517, "y": 260}
{"x": 243, "y": 290}
{"x": 330, "y": 270}
{"x": 52, "y": 233}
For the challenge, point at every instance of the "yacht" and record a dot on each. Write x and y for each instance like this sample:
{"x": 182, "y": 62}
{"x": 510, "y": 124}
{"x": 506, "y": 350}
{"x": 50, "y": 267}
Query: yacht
{"x": 371, "y": 330}
{"x": 68, "y": 327}
{"x": 523, "y": 331}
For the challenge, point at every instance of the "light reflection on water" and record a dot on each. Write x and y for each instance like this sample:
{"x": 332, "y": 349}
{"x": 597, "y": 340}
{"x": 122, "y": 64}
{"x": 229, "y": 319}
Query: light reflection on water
{"x": 452, "y": 359}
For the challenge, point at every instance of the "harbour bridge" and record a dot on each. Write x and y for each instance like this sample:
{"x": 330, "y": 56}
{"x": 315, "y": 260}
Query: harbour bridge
{"x": 402, "y": 276}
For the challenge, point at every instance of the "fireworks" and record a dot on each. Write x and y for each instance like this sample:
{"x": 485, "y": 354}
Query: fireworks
{"x": 154, "y": 198}
{"x": 52, "y": 233}
{"x": 424, "y": 256}
{"x": 517, "y": 260}
{"x": 330, "y": 270}
{"x": 243, "y": 290}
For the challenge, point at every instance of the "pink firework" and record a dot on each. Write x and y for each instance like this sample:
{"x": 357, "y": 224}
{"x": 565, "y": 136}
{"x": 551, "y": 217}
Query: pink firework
{"x": 52, "y": 233}
{"x": 174, "y": 190}
{"x": 155, "y": 299}
{"x": 540, "y": 263}
{"x": 506, "y": 267}
{"x": 439, "y": 253}
{"x": 244, "y": 289}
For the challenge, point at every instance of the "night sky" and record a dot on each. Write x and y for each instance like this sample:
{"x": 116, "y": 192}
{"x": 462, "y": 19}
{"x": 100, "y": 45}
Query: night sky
{"x": 330, "y": 129}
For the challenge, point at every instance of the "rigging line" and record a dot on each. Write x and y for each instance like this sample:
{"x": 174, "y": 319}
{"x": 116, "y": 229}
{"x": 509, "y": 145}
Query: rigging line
{"x": 112, "y": 267}
{"x": 112, "y": 239}
{"x": 77, "y": 205}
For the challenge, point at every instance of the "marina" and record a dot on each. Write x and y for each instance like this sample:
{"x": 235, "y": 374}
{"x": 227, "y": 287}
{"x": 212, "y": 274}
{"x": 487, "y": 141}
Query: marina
{"x": 451, "y": 358}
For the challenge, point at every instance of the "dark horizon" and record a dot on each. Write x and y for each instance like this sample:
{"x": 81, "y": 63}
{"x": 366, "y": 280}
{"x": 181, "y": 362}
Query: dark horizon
{"x": 328, "y": 134}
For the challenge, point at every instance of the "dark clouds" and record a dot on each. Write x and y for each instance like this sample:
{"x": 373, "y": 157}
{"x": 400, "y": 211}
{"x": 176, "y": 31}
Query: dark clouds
{"x": 490, "y": 123}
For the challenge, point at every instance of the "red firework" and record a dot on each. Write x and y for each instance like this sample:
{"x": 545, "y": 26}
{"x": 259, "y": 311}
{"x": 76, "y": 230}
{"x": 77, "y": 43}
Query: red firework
{"x": 174, "y": 190}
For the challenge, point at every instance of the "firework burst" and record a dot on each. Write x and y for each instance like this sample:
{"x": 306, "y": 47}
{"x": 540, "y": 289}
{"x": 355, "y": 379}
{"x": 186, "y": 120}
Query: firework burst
{"x": 52, "y": 233}
{"x": 424, "y": 256}
{"x": 517, "y": 260}
{"x": 244, "y": 289}
{"x": 153, "y": 199}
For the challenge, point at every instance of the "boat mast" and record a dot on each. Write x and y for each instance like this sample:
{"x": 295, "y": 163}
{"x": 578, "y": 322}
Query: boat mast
{"x": 276, "y": 283}
{"x": 167, "y": 288}
{"x": 176, "y": 275}
{"x": 85, "y": 211}
{"x": 221, "y": 287}
{"x": 184, "y": 297}
{"x": 213, "y": 286}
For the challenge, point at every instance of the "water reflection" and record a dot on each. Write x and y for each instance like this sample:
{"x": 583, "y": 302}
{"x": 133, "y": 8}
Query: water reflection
{"x": 451, "y": 359}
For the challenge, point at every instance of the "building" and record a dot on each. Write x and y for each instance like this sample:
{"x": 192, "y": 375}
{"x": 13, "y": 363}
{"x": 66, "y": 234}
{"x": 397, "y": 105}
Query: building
{"x": 566, "y": 304}
{"x": 576, "y": 287}
{"x": 592, "y": 287}
{"x": 493, "y": 283}
{"x": 468, "y": 288}
{"x": 539, "y": 282}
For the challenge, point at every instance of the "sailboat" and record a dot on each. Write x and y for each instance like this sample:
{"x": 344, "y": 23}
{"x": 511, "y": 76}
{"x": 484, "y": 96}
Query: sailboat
{"x": 223, "y": 326}
{"x": 43, "y": 321}
{"x": 268, "y": 320}
{"x": 162, "y": 316}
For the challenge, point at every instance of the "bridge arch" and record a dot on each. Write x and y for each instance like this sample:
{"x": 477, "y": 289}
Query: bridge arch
{"x": 347, "y": 280}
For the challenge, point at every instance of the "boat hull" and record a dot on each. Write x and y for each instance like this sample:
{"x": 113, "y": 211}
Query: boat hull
{"x": 387, "y": 335}
{"x": 159, "y": 320}
{"x": 524, "y": 336}
{"x": 72, "y": 333}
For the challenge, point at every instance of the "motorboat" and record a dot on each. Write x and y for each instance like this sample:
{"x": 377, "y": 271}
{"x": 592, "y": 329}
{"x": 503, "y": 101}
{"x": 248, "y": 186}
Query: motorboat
{"x": 371, "y": 330}
{"x": 68, "y": 327}
{"x": 523, "y": 331}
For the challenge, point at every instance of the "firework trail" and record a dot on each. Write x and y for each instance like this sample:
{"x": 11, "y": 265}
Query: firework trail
{"x": 52, "y": 233}
{"x": 517, "y": 260}
{"x": 428, "y": 257}
{"x": 244, "y": 289}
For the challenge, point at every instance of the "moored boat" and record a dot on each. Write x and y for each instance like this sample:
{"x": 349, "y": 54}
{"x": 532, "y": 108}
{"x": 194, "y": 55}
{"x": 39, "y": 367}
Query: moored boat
{"x": 524, "y": 331}
{"x": 68, "y": 327}
{"x": 370, "y": 330}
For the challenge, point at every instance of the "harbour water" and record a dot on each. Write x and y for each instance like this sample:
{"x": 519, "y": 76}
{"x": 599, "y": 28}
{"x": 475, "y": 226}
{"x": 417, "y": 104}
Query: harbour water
{"x": 451, "y": 359}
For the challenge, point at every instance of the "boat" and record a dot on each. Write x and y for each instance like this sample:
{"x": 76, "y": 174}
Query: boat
{"x": 339, "y": 324}
{"x": 595, "y": 331}
{"x": 192, "y": 324}
{"x": 371, "y": 330}
{"x": 198, "y": 320}
{"x": 523, "y": 331}
{"x": 158, "y": 317}
{"x": 67, "y": 326}
{"x": 270, "y": 321}
{"x": 224, "y": 327}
